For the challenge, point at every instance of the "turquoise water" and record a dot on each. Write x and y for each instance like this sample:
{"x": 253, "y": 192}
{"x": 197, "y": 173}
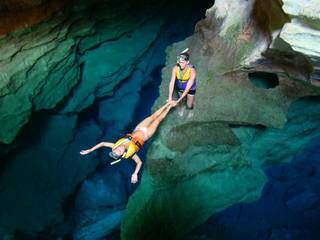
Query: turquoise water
{"x": 47, "y": 189}
{"x": 289, "y": 207}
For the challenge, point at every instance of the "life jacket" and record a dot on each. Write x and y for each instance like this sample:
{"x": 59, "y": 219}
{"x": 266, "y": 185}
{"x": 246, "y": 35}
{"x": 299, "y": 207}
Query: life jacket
{"x": 184, "y": 76}
{"x": 134, "y": 146}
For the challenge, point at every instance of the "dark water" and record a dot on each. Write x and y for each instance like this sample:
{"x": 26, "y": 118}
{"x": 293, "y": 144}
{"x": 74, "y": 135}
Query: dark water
{"x": 28, "y": 160}
{"x": 288, "y": 209}
{"x": 148, "y": 92}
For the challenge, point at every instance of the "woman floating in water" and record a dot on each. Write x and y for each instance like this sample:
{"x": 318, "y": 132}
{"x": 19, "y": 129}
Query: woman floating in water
{"x": 128, "y": 146}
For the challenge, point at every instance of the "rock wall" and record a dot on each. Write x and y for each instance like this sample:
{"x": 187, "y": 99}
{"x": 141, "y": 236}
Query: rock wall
{"x": 40, "y": 66}
{"x": 72, "y": 76}
{"x": 46, "y": 73}
{"x": 199, "y": 165}
{"x": 196, "y": 166}
{"x": 287, "y": 208}
{"x": 301, "y": 35}
{"x": 18, "y": 15}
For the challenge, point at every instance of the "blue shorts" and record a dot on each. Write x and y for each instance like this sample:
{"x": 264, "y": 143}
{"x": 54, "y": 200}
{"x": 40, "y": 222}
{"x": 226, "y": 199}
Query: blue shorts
{"x": 191, "y": 92}
{"x": 181, "y": 86}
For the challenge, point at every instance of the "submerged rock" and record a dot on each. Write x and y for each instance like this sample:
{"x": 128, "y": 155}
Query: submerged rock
{"x": 288, "y": 205}
{"x": 200, "y": 165}
{"x": 36, "y": 181}
{"x": 56, "y": 61}
{"x": 119, "y": 113}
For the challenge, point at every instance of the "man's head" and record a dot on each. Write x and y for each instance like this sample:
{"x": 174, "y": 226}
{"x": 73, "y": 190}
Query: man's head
{"x": 183, "y": 60}
{"x": 117, "y": 152}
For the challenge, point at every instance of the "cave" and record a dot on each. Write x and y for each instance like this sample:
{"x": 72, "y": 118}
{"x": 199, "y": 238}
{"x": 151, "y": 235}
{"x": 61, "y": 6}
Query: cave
{"x": 78, "y": 39}
{"x": 241, "y": 163}
{"x": 264, "y": 79}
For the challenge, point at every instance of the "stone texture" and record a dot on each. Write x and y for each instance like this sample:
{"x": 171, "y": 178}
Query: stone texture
{"x": 119, "y": 57}
{"x": 100, "y": 205}
{"x": 20, "y": 14}
{"x": 237, "y": 127}
{"x": 302, "y": 33}
{"x": 37, "y": 70}
{"x": 41, "y": 65}
{"x": 289, "y": 204}
{"x": 189, "y": 177}
{"x": 37, "y": 180}
{"x": 46, "y": 66}
{"x": 136, "y": 95}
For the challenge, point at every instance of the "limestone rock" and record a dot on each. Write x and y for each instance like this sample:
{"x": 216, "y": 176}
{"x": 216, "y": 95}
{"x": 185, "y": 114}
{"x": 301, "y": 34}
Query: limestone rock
{"x": 190, "y": 177}
{"x": 302, "y": 34}
{"x": 118, "y": 57}
{"x": 40, "y": 66}
{"x": 20, "y": 14}
{"x": 49, "y": 168}
{"x": 100, "y": 205}
{"x": 37, "y": 70}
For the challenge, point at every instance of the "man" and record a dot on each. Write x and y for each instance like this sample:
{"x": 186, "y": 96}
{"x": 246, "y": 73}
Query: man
{"x": 184, "y": 78}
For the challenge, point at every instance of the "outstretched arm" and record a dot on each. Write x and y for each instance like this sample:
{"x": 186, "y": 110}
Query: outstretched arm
{"x": 172, "y": 81}
{"x": 134, "y": 176}
{"x": 99, "y": 145}
{"x": 189, "y": 84}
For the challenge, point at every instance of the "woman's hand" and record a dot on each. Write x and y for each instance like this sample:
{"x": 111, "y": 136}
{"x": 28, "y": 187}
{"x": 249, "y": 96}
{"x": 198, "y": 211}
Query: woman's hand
{"x": 134, "y": 178}
{"x": 174, "y": 103}
{"x": 84, "y": 152}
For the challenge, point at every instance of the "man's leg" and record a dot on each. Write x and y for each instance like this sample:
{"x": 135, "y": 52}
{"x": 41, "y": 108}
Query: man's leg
{"x": 190, "y": 102}
{"x": 181, "y": 106}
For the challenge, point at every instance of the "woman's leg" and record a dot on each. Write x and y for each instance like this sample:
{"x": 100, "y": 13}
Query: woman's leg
{"x": 147, "y": 121}
{"x": 154, "y": 125}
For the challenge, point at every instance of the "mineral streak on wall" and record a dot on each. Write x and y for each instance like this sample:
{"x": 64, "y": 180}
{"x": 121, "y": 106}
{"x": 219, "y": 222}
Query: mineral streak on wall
{"x": 15, "y": 15}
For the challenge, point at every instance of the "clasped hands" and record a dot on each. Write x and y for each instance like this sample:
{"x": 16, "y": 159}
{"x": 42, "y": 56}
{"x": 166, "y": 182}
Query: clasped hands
{"x": 172, "y": 102}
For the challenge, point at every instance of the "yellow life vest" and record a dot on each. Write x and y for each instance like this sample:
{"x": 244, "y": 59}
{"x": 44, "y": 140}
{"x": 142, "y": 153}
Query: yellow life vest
{"x": 182, "y": 77}
{"x": 134, "y": 145}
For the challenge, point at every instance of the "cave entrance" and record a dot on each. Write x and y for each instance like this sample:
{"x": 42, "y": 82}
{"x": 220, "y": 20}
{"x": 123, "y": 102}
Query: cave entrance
{"x": 264, "y": 80}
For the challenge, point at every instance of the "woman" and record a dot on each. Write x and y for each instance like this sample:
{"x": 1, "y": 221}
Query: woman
{"x": 128, "y": 146}
{"x": 183, "y": 76}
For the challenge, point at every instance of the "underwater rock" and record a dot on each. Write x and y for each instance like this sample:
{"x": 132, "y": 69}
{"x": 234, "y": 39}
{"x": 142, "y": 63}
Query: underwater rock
{"x": 38, "y": 69}
{"x": 119, "y": 57}
{"x": 290, "y": 200}
{"x": 100, "y": 205}
{"x": 118, "y": 113}
{"x": 56, "y": 60}
{"x": 188, "y": 177}
{"x": 36, "y": 181}
{"x": 100, "y": 228}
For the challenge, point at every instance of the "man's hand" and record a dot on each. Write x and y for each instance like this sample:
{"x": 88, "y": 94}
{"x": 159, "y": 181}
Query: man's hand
{"x": 174, "y": 103}
{"x": 134, "y": 178}
{"x": 84, "y": 152}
